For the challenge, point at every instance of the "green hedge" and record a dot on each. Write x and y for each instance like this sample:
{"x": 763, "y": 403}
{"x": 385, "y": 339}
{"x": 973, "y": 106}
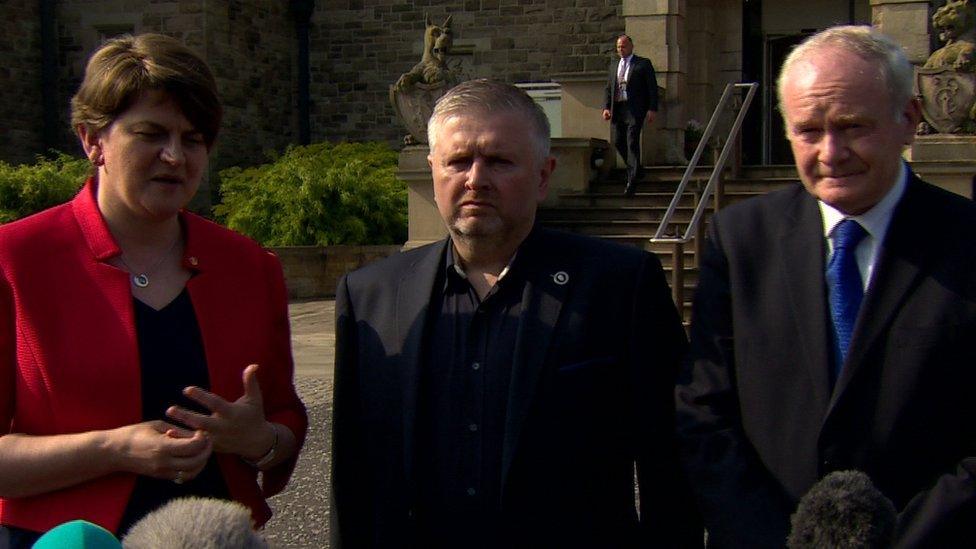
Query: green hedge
{"x": 30, "y": 188}
{"x": 319, "y": 194}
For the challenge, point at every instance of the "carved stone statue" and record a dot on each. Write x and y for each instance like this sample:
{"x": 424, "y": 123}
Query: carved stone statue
{"x": 415, "y": 92}
{"x": 947, "y": 82}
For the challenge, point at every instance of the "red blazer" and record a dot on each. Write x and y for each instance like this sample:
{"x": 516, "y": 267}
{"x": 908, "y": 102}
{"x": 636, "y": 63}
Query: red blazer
{"x": 69, "y": 360}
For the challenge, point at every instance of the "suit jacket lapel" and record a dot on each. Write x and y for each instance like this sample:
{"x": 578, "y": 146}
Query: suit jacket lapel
{"x": 547, "y": 283}
{"x": 895, "y": 274}
{"x": 412, "y": 301}
{"x": 802, "y": 259}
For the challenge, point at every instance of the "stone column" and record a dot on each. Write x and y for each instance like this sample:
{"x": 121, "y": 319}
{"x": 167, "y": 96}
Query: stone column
{"x": 658, "y": 30}
{"x": 424, "y": 223}
{"x": 907, "y": 22}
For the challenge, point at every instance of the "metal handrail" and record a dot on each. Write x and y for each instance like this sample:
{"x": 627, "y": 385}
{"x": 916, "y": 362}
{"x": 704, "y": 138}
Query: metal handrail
{"x": 716, "y": 170}
{"x": 677, "y": 264}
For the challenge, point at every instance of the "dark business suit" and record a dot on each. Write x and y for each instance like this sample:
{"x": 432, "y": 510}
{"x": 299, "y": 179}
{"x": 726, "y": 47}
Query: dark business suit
{"x": 757, "y": 417}
{"x": 591, "y": 383}
{"x": 627, "y": 122}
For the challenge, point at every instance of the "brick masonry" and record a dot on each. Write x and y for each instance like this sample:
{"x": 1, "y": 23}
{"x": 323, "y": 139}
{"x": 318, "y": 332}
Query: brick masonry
{"x": 21, "y": 110}
{"x": 358, "y": 48}
{"x": 314, "y": 271}
{"x": 249, "y": 44}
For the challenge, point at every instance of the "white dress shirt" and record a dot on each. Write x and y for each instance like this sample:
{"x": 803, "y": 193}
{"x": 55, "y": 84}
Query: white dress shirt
{"x": 623, "y": 74}
{"x": 875, "y": 221}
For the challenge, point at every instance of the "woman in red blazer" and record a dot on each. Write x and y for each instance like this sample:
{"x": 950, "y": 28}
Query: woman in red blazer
{"x": 144, "y": 351}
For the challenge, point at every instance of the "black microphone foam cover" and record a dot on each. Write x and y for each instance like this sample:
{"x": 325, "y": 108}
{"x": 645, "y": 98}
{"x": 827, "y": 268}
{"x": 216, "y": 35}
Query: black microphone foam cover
{"x": 843, "y": 510}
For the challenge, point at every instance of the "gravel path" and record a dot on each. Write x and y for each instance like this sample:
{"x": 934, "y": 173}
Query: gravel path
{"x": 301, "y": 510}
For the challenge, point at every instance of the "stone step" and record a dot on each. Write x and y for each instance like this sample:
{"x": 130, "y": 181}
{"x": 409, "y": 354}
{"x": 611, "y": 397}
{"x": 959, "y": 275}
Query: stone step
{"x": 608, "y": 214}
{"x": 660, "y": 194}
{"x": 663, "y": 250}
{"x": 668, "y": 187}
{"x": 619, "y": 227}
{"x": 674, "y": 173}
{"x": 756, "y": 187}
{"x": 617, "y": 199}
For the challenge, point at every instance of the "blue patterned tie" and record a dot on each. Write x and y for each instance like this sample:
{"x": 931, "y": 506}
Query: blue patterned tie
{"x": 846, "y": 288}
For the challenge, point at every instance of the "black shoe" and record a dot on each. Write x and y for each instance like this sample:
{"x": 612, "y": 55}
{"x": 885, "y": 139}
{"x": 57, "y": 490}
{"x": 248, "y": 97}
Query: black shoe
{"x": 630, "y": 189}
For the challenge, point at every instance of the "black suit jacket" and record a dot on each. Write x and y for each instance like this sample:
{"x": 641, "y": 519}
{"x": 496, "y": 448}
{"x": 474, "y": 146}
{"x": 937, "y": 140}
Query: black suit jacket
{"x": 641, "y": 87}
{"x": 591, "y": 393}
{"x": 758, "y": 420}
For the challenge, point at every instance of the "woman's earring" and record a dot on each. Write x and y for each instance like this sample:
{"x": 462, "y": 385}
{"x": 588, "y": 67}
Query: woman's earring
{"x": 96, "y": 158}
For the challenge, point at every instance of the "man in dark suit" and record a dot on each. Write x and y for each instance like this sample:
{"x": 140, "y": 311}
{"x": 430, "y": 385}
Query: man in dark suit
{"x": 631, "y": 98}
{"x": 495, "y": 389}
{"x": 833, "y": 326}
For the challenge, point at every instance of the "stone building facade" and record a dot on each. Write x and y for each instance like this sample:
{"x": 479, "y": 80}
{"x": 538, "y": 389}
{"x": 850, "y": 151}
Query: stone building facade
{"x": 360, "y": 47}
{"x": 357, "y": 48}
{"x": 354, "y": 49}
{"x": 249, "y": 45}
{"x": 21, "y": 109}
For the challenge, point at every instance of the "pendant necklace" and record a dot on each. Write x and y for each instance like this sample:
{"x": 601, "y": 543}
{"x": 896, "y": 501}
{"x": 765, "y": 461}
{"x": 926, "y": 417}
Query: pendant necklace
{"x": 141, "y": 280}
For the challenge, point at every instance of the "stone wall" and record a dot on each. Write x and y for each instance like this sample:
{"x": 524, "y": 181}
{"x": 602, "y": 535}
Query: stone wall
{"x": 250, "y": 45}
{"x": 252, "y": 49}
{"x": 314, "y": 271}
{"x": 360, "y": 47}
{"x": 21, "y": 110}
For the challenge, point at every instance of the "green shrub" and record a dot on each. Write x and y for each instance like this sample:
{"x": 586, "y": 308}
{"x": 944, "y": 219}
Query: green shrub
{"x": 319, "y": 194}
{"x": 30, "y": 188}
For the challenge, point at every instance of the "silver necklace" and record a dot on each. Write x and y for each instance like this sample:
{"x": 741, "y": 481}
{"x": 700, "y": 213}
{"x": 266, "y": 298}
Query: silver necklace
{"x": 141, "y": 280}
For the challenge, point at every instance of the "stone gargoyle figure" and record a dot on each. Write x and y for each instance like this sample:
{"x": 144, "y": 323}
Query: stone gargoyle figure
{"x": 947, "y": 82}
{"x": 956, "y": 23}
{"x": 432, "y": 68}
{"x": 415, "y": 92}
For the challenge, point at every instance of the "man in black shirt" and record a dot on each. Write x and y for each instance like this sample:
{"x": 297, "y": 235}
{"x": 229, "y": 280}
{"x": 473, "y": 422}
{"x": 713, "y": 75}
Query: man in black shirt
{"x": 497, "y": 388}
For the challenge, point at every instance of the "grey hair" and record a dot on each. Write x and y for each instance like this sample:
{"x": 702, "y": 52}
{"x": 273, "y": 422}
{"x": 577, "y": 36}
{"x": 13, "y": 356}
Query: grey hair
{"x": 195, "y": 523}
{"x": 490, "y": 97}
{"x": 894, "y": 70}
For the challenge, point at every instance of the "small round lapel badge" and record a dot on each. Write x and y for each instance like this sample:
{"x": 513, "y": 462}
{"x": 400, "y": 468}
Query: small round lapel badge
{"x": 561, "y": 277}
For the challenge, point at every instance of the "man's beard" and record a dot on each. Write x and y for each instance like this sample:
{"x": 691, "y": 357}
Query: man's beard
{"x": 482, "y": 230}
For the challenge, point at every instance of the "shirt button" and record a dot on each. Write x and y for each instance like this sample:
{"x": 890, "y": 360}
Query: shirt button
{"x": 471, "y": 491}
{"x": 475, "y": 366}
{"x": 473, "y": 427}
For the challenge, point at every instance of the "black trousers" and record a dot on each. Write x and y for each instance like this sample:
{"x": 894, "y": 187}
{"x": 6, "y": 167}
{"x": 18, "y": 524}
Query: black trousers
{"x": 626, "y": 137}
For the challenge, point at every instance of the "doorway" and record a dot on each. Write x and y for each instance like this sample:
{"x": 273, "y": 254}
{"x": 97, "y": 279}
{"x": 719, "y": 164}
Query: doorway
{"x": 777, "y": 147}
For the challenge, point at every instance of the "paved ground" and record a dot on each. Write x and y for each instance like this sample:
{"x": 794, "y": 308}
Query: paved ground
{"x": 313, "y": 338}
{"x": 301, "y": 511}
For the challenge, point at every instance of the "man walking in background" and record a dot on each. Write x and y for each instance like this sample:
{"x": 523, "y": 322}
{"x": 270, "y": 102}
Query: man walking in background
{"x": 631, "y": 99}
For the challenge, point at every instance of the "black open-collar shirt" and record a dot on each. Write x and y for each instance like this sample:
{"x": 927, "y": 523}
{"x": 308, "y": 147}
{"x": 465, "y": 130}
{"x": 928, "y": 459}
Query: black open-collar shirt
{"x": 470, "y": 345}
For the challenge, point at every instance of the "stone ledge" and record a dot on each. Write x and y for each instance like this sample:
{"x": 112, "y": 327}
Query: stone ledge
{"x": 314, "y": 271}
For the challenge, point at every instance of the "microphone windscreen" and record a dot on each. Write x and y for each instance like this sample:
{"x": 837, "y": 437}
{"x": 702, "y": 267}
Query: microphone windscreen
{"x": 196, "y": 523}
{"x": 77, "y": 534}
{"x": 843, "y": 510}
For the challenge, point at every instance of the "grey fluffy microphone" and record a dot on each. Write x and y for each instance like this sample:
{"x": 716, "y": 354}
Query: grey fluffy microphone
{"x": 843, "y": 510}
